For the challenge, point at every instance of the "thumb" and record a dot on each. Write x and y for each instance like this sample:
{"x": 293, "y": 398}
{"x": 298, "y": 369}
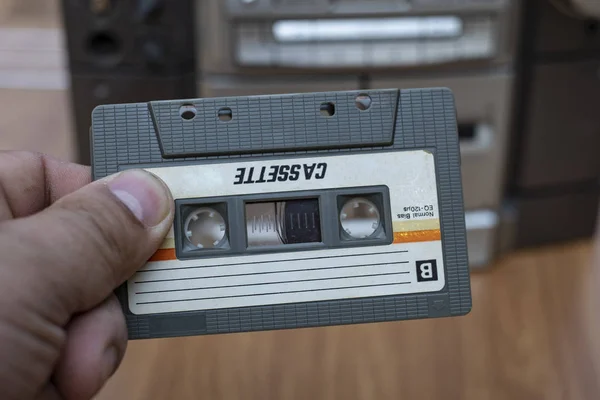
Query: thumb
{"x": 91, "y": 241}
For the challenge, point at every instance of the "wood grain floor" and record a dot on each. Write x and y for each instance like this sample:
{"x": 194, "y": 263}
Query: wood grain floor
{"x": 533, "y": 334}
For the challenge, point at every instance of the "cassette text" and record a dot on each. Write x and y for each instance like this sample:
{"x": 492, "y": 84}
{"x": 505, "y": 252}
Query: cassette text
{"x": 280, "y": 173}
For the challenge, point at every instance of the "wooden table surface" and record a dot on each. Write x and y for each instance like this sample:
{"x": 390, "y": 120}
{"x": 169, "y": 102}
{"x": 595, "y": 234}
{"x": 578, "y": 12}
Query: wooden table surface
{"x": 533, "y": 334}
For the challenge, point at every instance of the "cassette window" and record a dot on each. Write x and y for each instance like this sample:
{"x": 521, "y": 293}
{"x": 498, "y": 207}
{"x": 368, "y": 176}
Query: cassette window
{"x": 283, "y": 222}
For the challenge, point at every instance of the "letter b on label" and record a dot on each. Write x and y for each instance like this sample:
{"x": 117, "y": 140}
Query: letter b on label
{"x": 427, "y": 271}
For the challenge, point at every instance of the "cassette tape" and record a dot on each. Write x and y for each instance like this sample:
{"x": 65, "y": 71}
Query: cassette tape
{"x": 296, "y": 210}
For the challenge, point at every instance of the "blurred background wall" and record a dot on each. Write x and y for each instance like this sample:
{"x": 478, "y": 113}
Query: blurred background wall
{"x": 34, "y": 76}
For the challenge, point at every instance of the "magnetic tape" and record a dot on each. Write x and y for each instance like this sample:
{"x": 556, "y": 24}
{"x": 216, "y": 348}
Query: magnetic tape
{"x": 295, "y": 210}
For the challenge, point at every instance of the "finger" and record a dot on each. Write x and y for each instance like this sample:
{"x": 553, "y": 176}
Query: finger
{"x": 77, "y": 251}
{"x": 49, "y": 393}
{"x": 29, "y": 182}
{"x": 96, "y": 343}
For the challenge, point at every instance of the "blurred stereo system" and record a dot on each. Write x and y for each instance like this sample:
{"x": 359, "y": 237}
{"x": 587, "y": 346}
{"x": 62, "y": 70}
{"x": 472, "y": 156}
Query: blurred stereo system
{"x": 334, "y": 34}
{"x": 344, "y": 43}
{"x": 122, "y": 51}
{"x": 250, "y": 47}
{"x": 139, "y": 51}
{"x": 524, "y": 76}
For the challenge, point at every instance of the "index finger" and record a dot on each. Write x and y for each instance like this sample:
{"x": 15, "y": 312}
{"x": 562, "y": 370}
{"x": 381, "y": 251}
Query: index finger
{"x": 30, "y": 182}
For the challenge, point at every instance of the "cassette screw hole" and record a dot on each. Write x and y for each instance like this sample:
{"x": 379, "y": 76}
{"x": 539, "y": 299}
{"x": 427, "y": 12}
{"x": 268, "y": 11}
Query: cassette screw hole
{"x": 225, "y": 114}
{"x": 363, "y": 102}
{"x": 327, "y": 109}
{"x": 187, "y": 112}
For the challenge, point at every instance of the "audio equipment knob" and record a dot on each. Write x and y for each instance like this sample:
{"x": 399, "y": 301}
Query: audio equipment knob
{"x": 149, "y": 9}
{"x": 154, "y": 53}
{"x": 102, "y": 7}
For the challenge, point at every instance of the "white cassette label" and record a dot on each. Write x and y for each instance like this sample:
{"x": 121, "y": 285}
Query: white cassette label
{"x": 413, "y": 263}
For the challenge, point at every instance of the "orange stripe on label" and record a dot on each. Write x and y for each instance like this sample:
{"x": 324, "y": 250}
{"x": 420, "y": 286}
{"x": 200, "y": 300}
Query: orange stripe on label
{"x": 163, "y": 255}
{"x": 399, "y": 237}
{"x": 417, "y": 236}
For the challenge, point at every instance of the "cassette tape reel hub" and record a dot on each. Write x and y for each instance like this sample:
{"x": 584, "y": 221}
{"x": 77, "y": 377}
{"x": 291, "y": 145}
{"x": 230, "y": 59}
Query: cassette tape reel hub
{"x": 360, "y": 218}
{"x": 205, "y": 228}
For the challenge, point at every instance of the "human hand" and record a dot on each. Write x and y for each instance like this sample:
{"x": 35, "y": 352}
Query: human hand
{"x": 65, "y": 245}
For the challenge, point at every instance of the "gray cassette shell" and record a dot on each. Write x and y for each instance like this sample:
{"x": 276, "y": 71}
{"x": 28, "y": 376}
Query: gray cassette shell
{"x": 153, "y": 135}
